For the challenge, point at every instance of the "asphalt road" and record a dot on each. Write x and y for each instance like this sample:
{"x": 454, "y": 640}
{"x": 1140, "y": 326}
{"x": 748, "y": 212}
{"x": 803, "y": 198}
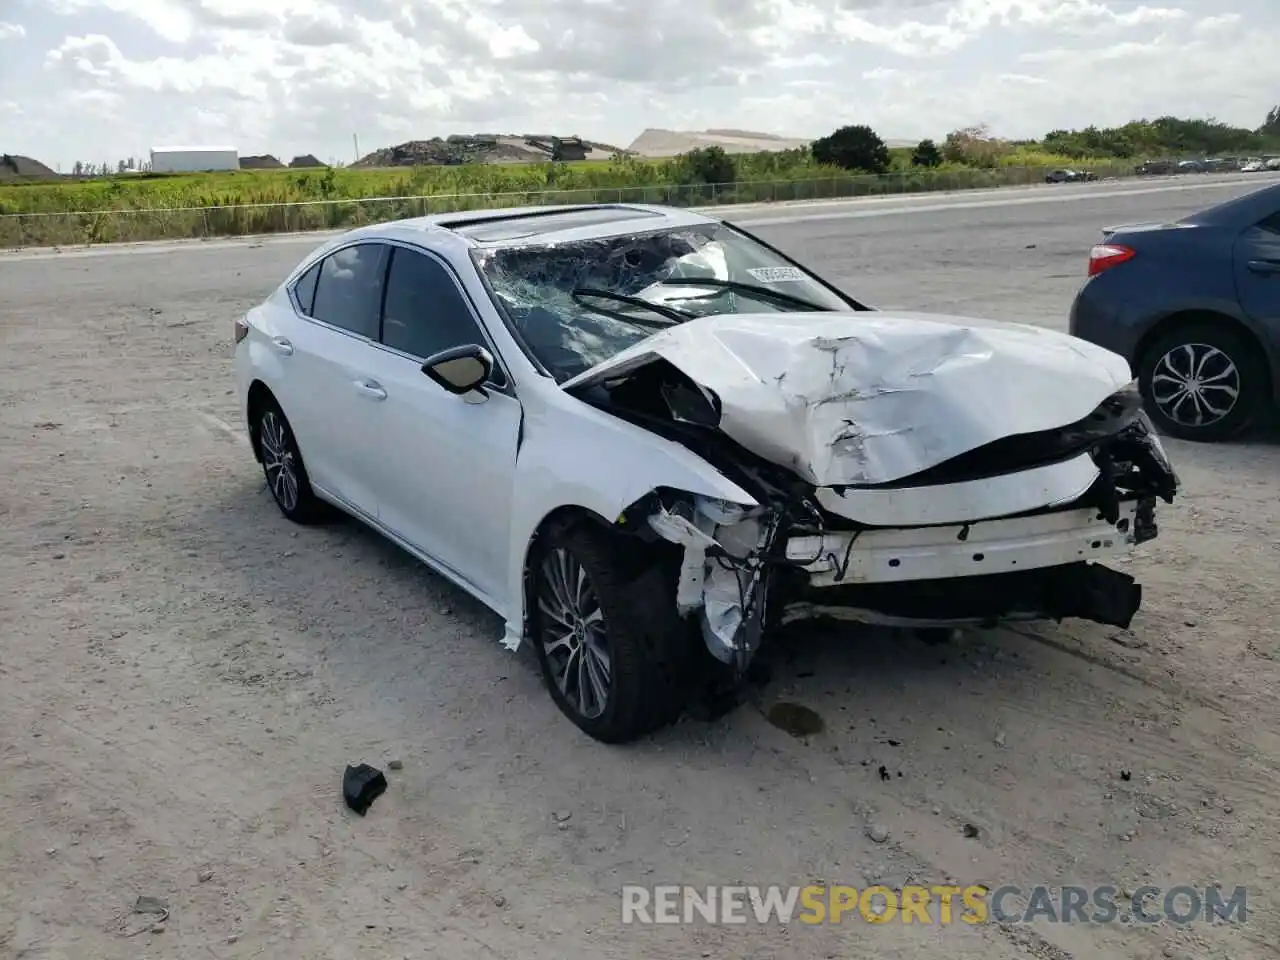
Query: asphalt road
{"x": 1014, "y": 254}
{"x": 184, "y": 674}
{"x": 1020, "y": 262}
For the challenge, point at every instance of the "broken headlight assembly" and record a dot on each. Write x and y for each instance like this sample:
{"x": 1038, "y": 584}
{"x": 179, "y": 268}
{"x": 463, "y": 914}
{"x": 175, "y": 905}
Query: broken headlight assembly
{"x": 723, "y": 569}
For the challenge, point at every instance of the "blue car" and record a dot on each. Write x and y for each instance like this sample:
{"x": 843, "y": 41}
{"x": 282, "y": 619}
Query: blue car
{"x": 1194, "y": 306}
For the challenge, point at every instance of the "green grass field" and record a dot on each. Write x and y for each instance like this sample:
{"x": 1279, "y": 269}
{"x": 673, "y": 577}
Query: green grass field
{"x": 165, "y": 206}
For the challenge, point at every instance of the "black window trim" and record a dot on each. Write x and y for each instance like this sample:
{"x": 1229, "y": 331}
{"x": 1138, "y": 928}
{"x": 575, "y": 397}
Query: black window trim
{"x": 504, "y": 386}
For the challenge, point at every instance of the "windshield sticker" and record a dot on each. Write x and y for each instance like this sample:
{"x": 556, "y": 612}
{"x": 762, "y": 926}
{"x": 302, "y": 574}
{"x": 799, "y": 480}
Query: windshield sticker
{"x": 776, "y": 274}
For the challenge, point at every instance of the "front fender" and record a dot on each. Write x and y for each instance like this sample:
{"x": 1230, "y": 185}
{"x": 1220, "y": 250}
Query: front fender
{"x": 578, "y": 457}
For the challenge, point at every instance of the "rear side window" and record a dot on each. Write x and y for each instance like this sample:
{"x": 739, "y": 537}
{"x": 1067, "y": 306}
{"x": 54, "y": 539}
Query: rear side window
{"x": 349, "y": 290}
{"x": 304, "y": 289}
{"x": 1271, "y": 224}
{"x": 425, "y": 312}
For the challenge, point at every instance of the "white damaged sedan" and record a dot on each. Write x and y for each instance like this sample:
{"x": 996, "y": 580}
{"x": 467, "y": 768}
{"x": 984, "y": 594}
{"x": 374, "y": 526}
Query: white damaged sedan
{"x": 644, "y": 438}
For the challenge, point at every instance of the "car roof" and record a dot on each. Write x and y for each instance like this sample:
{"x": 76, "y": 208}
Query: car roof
{"x": 531, "y": 225}
{"x": 1239, "y": 212}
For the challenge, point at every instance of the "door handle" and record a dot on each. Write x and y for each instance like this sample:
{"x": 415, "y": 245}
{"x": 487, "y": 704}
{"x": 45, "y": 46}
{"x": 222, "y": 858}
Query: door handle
{"x": 371, "y": 389}
{"x": 282, "y": 346}
{"x": 1264, "y": 266}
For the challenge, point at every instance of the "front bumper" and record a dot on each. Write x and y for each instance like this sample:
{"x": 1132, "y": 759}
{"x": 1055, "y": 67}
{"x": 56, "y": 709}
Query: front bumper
{"x": 1042, "y": 563}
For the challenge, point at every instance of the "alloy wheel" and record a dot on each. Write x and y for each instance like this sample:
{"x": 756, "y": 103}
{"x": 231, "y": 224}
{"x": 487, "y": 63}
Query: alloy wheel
{"x": 278, "y": 460}
{"x": 1195, "y": 384}
{"x": 573, "y": 634}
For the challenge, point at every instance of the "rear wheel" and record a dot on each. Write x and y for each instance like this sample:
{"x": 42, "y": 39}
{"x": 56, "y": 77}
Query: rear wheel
{"x": 282, "y": 463}
{"x": 1202, "y": 382}
{"x": 613, "y": 652}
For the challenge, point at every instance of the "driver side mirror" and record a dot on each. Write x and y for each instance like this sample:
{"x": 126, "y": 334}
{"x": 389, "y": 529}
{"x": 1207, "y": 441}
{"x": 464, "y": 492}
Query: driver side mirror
{"x": 460, "y": 370}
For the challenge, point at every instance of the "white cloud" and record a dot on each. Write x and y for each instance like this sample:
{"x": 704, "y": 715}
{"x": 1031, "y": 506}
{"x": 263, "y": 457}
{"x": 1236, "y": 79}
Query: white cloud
{"x": 910, "y": 38}
{"x": 301, "y": 76}
{"x": 1222, "y": 21}
{"x": 12, "y": 31}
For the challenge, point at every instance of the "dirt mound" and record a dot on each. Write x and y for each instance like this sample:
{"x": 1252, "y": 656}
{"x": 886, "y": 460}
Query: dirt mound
{"x": 656, "y": 142}
{"x": 306, "y": 160}
{"x": 486, "y": 148}
{"x": 264, "y": 162}
{"x": 13, "y": 165}
{"x": 435, "y": 151}
{"x": 741, "y": 134}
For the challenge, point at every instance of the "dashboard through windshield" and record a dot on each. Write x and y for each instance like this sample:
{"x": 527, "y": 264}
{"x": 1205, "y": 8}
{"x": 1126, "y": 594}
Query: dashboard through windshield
{"x": 578, "y": 304}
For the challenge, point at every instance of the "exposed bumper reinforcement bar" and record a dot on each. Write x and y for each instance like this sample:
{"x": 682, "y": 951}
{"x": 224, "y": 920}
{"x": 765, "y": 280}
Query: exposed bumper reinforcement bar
{"x": 888, "y": 555}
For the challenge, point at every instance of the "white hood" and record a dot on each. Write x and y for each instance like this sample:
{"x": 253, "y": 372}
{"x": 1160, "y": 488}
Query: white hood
{"x": 866, "y": 398}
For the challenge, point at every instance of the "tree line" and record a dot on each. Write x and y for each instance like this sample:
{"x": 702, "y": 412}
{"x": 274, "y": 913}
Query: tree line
{"x": 859, "y": 147}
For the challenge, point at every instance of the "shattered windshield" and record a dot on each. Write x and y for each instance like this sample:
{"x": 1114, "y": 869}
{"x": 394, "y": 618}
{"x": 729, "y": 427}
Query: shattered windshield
{"x": 577, "y": 304}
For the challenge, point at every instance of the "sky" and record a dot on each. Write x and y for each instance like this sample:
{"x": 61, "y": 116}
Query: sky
{"x": 101, "y": 80}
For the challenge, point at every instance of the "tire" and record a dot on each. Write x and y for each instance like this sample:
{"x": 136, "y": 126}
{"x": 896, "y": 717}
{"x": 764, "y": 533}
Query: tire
{"x": 625, "y": 611}
{"x": 283, "y": 468}
{"x": 1209, "y": 347}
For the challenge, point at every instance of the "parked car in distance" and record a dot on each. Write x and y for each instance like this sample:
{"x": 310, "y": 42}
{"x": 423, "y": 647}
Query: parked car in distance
{"x": 1253, "y": 165}
{"x": 1221, "y": 164}
{"x": 1194, "y": 306}
{"x": 1069, "y": 176}
{"x": 1190, "y": 166}
{"x": 1155, "y": 168}
{"x": 645, "y": 438}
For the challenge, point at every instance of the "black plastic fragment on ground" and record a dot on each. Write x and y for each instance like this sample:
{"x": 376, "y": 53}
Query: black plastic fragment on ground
{"x": 361, "y": 785}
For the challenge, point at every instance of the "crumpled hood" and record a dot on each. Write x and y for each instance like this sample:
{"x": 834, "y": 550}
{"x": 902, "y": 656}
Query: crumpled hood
{"x": 874, "y": 397}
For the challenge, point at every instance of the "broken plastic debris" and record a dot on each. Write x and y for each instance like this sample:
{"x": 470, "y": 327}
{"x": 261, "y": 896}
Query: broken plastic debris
{"x": 678, "y": 529}
{"x": 151, "y": 906}
{"x": 361, "y": 785}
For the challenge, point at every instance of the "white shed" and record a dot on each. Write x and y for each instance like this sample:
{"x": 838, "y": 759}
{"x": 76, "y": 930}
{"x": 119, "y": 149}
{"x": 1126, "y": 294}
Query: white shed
{"x": 193, "y": 159}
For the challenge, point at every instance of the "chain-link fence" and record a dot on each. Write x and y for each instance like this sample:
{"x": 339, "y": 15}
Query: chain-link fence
{"x": 115, "y": 226}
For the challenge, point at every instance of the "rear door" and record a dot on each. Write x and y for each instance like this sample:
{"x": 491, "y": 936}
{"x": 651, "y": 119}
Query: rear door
{"x": 332, "y": 401}
{"x": 445, "y": 474}
{"x": 1257, "y": 267}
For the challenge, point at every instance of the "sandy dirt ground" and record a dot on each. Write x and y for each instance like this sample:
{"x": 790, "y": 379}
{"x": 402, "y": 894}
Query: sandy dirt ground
{"x": 184, "y": 676}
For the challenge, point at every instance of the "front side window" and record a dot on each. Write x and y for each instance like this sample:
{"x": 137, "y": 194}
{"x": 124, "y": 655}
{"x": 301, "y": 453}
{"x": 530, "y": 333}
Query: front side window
{"x": 578, "y": 304}
{"x": 424, "y": 311}
{"x": 349, "y": 292}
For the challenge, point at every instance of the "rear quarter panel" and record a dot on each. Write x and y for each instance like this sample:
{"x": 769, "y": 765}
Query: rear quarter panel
{"x": 1175, "y": 271}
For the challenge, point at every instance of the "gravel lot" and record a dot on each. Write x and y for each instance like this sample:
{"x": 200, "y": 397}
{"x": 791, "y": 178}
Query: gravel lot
{"x": 184, "y": 675}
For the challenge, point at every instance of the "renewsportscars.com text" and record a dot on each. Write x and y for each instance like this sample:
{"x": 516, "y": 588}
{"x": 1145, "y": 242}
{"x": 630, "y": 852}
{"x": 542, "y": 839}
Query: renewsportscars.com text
{"x": 942, "y": 904}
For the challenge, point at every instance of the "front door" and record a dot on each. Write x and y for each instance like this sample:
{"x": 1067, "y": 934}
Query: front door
{"x": 444, "y": 483}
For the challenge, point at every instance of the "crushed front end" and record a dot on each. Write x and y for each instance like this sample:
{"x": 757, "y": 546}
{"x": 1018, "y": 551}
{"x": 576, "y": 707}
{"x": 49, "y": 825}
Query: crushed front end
{"x": 1017, "y": 529}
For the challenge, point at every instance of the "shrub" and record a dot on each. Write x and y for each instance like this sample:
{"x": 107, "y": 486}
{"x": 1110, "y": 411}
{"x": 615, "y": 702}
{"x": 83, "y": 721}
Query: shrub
{"x": 926, "y": 154}
{"x": 853, "y": 148}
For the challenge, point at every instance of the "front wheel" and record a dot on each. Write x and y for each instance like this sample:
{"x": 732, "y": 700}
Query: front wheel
{"x": 612, "y": 650}
{"x": 1202, "y": 382}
